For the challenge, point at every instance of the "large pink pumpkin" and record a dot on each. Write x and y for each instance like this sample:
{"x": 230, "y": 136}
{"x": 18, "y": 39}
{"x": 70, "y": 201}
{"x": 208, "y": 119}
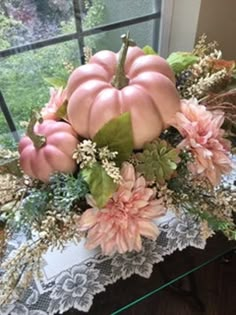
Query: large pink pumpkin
{"x": 54, "y": 155}
{"x": 150, "y": 95}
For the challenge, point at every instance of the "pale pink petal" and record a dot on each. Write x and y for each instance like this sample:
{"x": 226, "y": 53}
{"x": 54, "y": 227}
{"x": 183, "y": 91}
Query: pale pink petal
{"x": 138, "y": 243}
{"x": 140, "y": 203}
{"x": 108, "y": 247}
{"x": 148, "y": 229}
{"x": 204, "y": 139}
{"x": 121, "y": 243}
{"x": 88, "y": 219}
{"x": 90, "y": 201}
{"x": 140, "y": 182}
{"x": 128, "y": 172}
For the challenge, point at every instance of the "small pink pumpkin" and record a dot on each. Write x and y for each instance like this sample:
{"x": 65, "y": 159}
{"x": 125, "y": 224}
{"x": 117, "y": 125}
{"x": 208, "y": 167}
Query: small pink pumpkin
{"x": 59, "y": 141}
{"x": 147, "y": 91}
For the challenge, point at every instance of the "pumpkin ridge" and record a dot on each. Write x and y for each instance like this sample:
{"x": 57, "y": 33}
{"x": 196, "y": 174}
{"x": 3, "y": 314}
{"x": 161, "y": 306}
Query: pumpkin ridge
{"x": 35, "y": 165}
{"x": 91, "y": 108}
{"x": 151, "y": 63}
{"x": 92, "y": 129}
{"x": 75, "y": 106}
{"x": 83, "y": 74}
{"x": 142, "y": 82}
{"x": 47, "y": 155}
{"x": 132, "y": 54}
{"x": 152, "y": 101}
{"x": 57, "y": 141}
{"x": 25, "y": 152}
{"x": 121, "y": 101}
{"x": 99, "y": 57}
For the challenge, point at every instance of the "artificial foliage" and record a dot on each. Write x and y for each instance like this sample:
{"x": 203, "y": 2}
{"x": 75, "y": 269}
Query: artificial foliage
{"x": 66, "y": 191}
{"x": 158, "y": 161}
{"x": 141, "y": 135}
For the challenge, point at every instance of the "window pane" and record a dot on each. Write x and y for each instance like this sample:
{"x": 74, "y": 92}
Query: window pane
{"x": 102, "y": 12}
{"x": 145, "y": 33}
{"x": 24, "y": 21}
{"x": 6, "y": 139}
{"x": 23, "y": 77}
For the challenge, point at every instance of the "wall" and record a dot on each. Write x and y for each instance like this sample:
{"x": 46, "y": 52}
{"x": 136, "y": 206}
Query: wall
{"x": 217, "y": 19}
{"x": 184, "y": 24}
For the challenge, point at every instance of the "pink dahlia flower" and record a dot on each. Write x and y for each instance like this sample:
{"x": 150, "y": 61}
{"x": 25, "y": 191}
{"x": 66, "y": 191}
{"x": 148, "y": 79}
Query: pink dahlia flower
{"x": 58, "y": 97}
{"x": 203, "y": 136}
{"x": 127, "y": 216}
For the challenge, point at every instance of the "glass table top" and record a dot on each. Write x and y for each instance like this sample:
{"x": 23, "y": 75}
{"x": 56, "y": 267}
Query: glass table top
{"x": 173, "y": 269}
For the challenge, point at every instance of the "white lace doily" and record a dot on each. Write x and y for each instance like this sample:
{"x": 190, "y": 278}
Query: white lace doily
{"x": 74, "y": 276}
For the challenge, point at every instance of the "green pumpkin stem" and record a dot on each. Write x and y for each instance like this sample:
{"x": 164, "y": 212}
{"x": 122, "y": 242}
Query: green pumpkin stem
{"x": 37, "y": 139}
{"x": 120, "y": 80}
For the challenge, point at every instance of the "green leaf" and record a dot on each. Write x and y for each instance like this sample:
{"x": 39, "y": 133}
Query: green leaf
{"x": 100, "y": 184}
{"x": 56, "y": 81}
{"x": 62, "y": 110}
{"x": 180, "y": 61}
{"x": 117, "y": 134}
{"x": 148, "y": 50}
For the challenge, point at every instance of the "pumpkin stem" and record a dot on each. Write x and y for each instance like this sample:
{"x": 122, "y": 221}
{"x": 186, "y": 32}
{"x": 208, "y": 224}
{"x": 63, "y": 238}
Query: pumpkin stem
{"x": 37, "y": 139}
{"x": 120, "y": 80}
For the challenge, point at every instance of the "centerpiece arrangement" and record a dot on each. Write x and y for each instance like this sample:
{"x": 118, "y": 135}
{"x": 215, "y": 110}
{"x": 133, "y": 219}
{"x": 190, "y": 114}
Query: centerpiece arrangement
{"x": 130, "y": 136}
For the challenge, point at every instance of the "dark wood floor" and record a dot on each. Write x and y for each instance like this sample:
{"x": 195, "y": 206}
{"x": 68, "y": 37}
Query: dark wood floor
{"x": 216, "y": 284}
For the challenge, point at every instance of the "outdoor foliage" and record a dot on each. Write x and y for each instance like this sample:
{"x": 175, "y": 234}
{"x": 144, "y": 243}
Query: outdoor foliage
{"x": 22, "y": 76}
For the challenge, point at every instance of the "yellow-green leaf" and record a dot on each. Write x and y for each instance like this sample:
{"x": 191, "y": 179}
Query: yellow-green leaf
{"x": 117, "y": 134}
{"x": 148, "y": 50}
{"x": 62, "y": 110}
{"x": 180, "y": 61}
{"x": 56, "y": 81}
{"x": 100, "y": 184}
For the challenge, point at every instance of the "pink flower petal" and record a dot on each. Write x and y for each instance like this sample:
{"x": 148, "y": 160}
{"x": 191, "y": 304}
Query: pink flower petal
{"x": 148, "y": 229}
{"x": 121, "y": 243}
{"x": 128, "y": 172}
{"x": 88, "y": 219}
{"x": 204, "y": 139}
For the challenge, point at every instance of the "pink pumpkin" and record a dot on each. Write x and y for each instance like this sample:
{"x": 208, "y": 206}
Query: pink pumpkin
{"x": 53, "y": 155}
{"x": 148, "y": 93}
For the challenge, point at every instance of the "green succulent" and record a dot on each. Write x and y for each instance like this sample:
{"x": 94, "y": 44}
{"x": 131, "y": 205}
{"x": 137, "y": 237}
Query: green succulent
{"x": 158, "y": 161}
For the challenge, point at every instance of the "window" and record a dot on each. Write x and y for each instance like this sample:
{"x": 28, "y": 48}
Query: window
{"x": 41, "y": 39}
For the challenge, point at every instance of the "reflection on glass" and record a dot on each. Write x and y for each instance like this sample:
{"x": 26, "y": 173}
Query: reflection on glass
{"x": 27, "y": 21}
{"x": 6, "y": 140}
{"x": 143, "y": 34}
{"x": 23, "y": 77}
{"x": 102, "y": 12}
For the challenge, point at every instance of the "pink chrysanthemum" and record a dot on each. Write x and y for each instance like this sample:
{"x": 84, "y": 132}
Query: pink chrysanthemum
{"x": 203, "y": 136}
{"x": 57, "y": 98}
{"x": 127, "y": 216}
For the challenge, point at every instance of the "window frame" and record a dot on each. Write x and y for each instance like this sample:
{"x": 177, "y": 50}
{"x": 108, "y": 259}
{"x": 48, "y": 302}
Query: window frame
{"x": 80, "y": 34}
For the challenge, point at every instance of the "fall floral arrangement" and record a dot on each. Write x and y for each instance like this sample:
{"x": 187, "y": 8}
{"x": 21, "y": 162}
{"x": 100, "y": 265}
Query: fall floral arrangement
{"x": 129, "y": 136}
